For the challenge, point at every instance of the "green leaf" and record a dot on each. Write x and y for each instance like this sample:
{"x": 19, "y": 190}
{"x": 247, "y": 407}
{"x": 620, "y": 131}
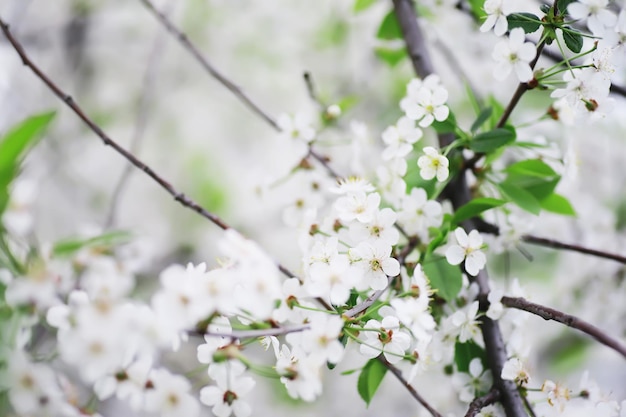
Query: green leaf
{"x": 465, "y": 352}
{"x": 390, "y": 56}
{"x": 389, "y": 28}
{"x": 573, "y": 39}
{"x": 562, "y": 5}
{"x": 484, "y": 115}
{"x": 475, "y": 207}
{"x": 370, "y": 378}
{"x": 492, "y": 140}
{"x": 360, "y": 5}
{"x": 498, "y": 111}
{"x": 520, "y": 197}
{"x": 347, "y": 103}
{"x": 531, "y": 167}
{"x": 106, "y": 240}
{"x": 446, "y": 279}
{"x": 556, "y": 203}
{"x": 13, "y": 147}
{"x": 447, "y": 126}
{"x": 527, "y": 21}
{"x": 541, "y": 188}
{"x": 476, "y": 6}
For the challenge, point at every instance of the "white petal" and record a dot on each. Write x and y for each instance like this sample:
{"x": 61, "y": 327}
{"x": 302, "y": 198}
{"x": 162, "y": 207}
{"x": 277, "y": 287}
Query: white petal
{"x": 455, "y": 255}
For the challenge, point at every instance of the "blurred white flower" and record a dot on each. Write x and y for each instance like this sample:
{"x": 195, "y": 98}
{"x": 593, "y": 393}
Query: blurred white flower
{"x": 497, "y": 11}
{"x": 433, "y": 164}
{"x": 226, "y": 397}
{"x": 400, "y": 138}
{"x": 514, "y": 370}
{"x": 597, "y": 13}
{"x": 514, "y": 54}
{"x": 170, "y": 395}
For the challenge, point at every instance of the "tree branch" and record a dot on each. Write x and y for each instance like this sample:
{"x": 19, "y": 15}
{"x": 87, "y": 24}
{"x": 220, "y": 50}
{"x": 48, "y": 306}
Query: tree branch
{"x": 548, "y": 313}
{"x": 67, "y": 99}
{"x": 481, "y": 402}
{"x": 191, "y": 48}
{"x": 458, "y": 192}
{"x": 551, "y": 243}
{"x": 398, "y": 374}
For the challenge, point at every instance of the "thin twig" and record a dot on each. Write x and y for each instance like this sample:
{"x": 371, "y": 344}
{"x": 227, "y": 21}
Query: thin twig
{"x": 548, "y": 313}
{"x": 551, "y": 243}
{"x": 141, "y": 118}
{"x": 398, "y": 374}
{"x": 481, "y": 402}
{"x": 177, "y": 195}
{"x": 458, "y": 192}
{"x": 191, "y": 48}
{"x": 247, "y": 334}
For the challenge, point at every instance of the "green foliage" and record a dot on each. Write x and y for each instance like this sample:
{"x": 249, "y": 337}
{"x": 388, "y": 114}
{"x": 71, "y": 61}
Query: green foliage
{"x": 333, "y": 32}
{"x": 476, "y": 7}
{"x": 446, "y": 279}
{"x": 483, "y": 116}
{"x": 392, "y": 56}
{"x": 531, "y": 167}
{"x": 360, "y": 5}
{"x": 447, "y": 126}
{"x": 527, "y": 21}
{"x": 492, "y": 140}
{"x": 562, "y": 5}
{"x": 370, "y": 378}
{"x": 389, "y": 28}
{"x": 13, "y": 147}
{"x": 465, "y": 352}
{"x": 558, "y": 204}
{"x": 105, "y": 241}
{"x": 573, "y": 39}
{"x": 475, "y": 207}
{"x": 520, "y": 197}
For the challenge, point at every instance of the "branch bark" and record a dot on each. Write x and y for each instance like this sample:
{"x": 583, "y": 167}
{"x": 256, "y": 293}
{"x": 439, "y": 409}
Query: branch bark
{"x": 574, "y": 322}
{"x": 481, "y": 402}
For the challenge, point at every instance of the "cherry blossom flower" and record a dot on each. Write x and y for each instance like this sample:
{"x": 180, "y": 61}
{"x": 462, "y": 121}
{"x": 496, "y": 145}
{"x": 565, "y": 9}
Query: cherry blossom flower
{"x": 226, "y": 397}
{"x": 400, "y": 138}
{"x": 464, "y": 323}
{"x": 418, "y": 213}
{"x": 388, "y": 339}
{"x": 475, "y": 380}
{"x": 497, "y": 11}
{"x": 379, "y": 229}
{"x": 300, "y": 373}
{"x": 514, "y": 54}
{"x": 426, "y": 104}
{"x": 357, "y": 206}
{"x": 514, "y": 370}
{"x": 332, "y": 281}
{"x": 376, "y": 262}
{"x": 433, "y": 164}
{"x": 170, "y": 395}
{"x": 467, "y": 249}
{"x": 322, "y": 339}
{"x": 596, "y": 12}
{"x": 296, "y": 127}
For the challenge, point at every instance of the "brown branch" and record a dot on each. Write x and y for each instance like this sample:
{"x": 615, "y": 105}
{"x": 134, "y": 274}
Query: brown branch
{"x": 551, "y": 243}
{"x": 177, "y": 195}
{"x": 398, "y": 374}
{"x": 193, "y": 50}
{"x": 248, "y": 334}
{"x": 481, "y": 402}
{"x": 548, "y": 313}
{"x": 458, "y": 192}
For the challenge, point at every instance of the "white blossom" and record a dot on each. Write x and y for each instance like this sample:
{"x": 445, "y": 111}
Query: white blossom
{"x": 514, "y": 54}
{"x": 433, "y": 164}
{"x": 467, "y": 249}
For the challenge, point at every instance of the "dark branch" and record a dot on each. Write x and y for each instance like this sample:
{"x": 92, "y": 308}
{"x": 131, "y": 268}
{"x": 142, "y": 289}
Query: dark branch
{"x": 232, "y": 87}
{"x": 551, "y": 243}
{"x": 548, "y": 313}
{"x": 398, "y": 374}
{"x": 481, "y": 402}
{"x": 177, "y": 195}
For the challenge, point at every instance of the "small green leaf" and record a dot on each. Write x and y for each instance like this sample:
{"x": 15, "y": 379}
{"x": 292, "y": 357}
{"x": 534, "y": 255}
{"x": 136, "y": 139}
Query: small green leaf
{"x": 107, "y": 240}
{"x": 360, "y": 5}
{"x": 476, "y": 6}
{"x": 347, "y": 103}
{"x": 390, "y": 56}
{"x": 475, "y": 207}
{"x": 370, "y": 378}
{"x": 527, "y": 21}
{"x": 498, "y": 111}
{"x": 484, "y": 115}
{"x": 541, "y": 188}
{"x": 562, "y": 5}
{"x": 556, "y": 203}
{"x": 520, "y": 197}
{"x": 531, "y": 167}
{"x": 389, "y": 28}
{"x": 492, "y": 140}
{"x": 573, "y": 39}
{"x": 447, "y": 126}
{"x": 465, "y": 352}
{"x": 446, "y": 279}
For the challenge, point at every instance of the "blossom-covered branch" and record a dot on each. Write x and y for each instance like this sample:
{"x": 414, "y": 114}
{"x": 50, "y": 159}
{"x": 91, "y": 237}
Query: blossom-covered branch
{"x": 548, "y": 313}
